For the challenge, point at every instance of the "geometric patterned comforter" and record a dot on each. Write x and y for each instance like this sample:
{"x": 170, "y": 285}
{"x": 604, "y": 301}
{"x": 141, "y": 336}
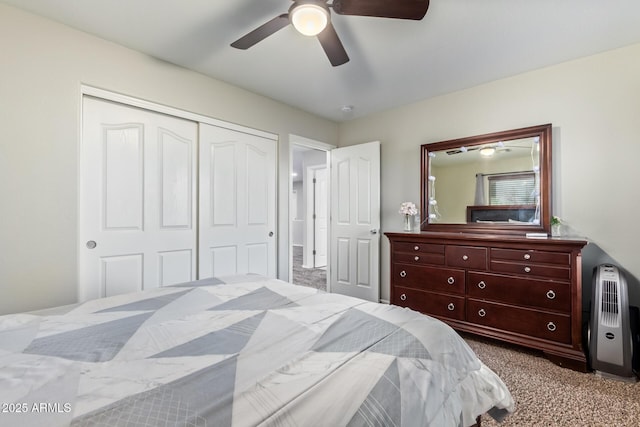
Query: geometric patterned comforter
{"x": 240, "y": 351}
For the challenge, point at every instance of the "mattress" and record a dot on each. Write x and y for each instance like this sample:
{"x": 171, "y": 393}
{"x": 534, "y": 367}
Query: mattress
{"x": 240, "y": 351}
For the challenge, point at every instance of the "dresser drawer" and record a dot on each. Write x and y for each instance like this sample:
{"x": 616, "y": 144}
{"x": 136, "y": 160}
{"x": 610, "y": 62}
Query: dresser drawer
{"x": 419, "y": 258}
{"x": 429, "y": 278}
{"x": 430, "y": 303}
{"x": 426, "y": 252}
{"x": 530, "y": 269}
{"x": 466, "y": 257}
{"x": 531, "y": 256}
{"x": 540, "y": 324}
{"x": 520, "y": 291}
{"x": 419, "y": 247}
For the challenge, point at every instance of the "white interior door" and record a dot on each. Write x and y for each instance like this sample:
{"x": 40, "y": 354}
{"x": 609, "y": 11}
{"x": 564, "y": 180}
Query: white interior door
{"x": 137, "y": 199}
{"x": 355, "y": 221}
{"x": 237, "y": 203}
{"x": 321, "y": 218}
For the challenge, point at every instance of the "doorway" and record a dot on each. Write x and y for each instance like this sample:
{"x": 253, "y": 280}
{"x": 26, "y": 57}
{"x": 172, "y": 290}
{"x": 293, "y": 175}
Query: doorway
{"x": 353, "y": 217}
{"x": 309, "y": 215}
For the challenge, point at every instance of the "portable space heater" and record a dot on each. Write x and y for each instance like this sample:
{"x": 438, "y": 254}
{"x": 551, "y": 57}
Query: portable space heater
{"x": 610, "y": 330}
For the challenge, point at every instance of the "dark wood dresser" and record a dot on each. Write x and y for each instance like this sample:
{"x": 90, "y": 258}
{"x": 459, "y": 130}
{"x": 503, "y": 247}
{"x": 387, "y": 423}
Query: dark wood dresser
{"x": 516, "y": 289}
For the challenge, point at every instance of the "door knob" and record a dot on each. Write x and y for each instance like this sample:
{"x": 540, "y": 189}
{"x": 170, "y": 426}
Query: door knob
{"x": 373, "y": 231}
{"x": 91, "y": 244}
{"x": 271, "y": 234}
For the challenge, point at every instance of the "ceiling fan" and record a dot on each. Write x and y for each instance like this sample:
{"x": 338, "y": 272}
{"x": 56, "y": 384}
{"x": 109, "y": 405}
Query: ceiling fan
{"x": 487, "y": 150}
{"x": 312, "y": 18}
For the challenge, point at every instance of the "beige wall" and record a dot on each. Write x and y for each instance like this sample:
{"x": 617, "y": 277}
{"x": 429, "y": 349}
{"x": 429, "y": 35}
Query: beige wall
{"x": 42, "y": 67}
{"x": 594, "y": 106}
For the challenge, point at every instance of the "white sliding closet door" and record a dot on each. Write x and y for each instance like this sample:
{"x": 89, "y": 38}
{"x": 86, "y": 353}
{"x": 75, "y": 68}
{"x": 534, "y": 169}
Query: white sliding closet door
{"x": 137, "y": 199}
{"x": 237, "y": 203}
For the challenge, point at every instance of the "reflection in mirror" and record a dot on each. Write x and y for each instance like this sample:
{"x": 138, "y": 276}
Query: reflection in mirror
{"x": 505, "y": 173}
{"x": 491, "y": 182}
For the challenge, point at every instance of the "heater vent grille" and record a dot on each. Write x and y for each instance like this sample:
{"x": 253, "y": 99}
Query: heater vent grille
{"x": 610, "y": 310}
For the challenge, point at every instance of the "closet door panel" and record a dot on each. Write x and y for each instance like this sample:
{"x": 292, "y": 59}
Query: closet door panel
{"x": 223, "y": 260}
{"x": 175, "y": 267}
{"x": 237, "y": 203}
{"x": 223, "y": 186}
{"x": 137, "y": 199}
{"x": 176, "y": 175}
{"x": 122, "y": 192}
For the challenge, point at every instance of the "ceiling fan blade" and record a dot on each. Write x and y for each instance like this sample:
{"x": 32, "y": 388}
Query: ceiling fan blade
{"x": 333, "y": 46}
{"x": 463, "y": 150}
{"x": 399, "y": 9}
{"x": 262, "y": 32}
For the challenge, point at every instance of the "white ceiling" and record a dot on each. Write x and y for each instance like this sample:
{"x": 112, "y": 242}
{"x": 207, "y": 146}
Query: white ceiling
{"x": 459, "y": 44}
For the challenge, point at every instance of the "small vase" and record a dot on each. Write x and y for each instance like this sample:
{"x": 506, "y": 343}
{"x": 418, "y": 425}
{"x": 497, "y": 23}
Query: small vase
{"x": 407, "y": 223}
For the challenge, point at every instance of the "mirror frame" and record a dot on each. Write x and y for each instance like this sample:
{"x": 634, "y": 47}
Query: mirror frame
{"x": 541, "y": 131}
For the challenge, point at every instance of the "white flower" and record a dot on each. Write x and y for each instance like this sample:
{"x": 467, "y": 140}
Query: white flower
{"x": 408, "y": 208}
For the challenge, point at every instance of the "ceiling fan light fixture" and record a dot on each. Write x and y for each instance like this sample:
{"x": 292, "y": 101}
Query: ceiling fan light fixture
{"x": 309, "y": 18}
{"x": 487, "y": 151}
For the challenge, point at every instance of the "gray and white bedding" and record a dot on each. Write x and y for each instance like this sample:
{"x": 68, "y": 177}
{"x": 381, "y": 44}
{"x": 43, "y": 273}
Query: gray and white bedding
{"x": 239, "y": 351}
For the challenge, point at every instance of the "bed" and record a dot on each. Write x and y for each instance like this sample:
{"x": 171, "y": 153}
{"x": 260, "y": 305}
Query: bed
{"x": 240, "y": 351}
{"x": 518, "y": 214}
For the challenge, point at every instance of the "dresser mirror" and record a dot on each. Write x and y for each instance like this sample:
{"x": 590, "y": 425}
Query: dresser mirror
{"x": 494, "y": 183}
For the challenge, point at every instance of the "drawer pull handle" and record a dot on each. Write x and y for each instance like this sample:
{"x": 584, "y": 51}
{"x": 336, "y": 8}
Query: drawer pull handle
{"x": 527, "y": 269}
{"x": 451, "y": 280}
{"x": 551, "y": 326}
{"x": 482, "y": 285}
{"x": 417, "y": 258}
{"x": 416, "y": 248}
{"x": 465, "y": 257}
{"x": 482, "y": 313}
{"x": 403, "y": 297}
{"x": 451, "y": 306}
{"x": 403, "y": 273}
{"x": 551, "y": 294}
{"x": 527, "y": 256}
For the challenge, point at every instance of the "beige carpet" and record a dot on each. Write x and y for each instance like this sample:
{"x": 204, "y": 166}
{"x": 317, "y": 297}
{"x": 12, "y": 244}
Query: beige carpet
{"x": 548, "y": 395}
